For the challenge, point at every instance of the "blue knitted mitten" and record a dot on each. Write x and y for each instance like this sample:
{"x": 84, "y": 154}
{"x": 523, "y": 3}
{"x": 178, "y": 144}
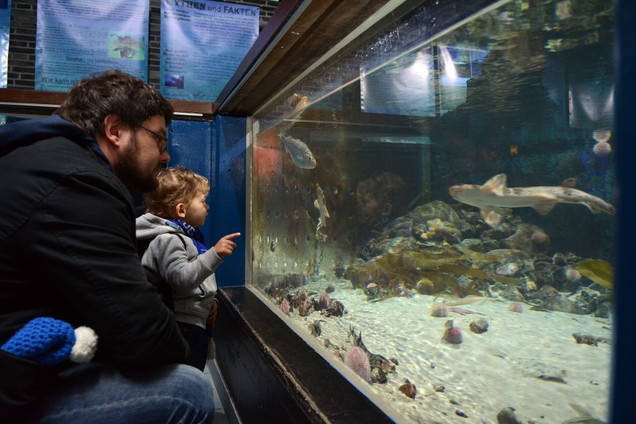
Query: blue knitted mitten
{"x": 50, "y": 341}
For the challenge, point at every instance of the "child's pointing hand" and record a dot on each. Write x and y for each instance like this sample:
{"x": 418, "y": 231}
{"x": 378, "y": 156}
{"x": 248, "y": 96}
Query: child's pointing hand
{"x": 225, "y": 245}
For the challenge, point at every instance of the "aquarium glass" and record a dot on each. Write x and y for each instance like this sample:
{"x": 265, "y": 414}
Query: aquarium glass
{"x": 430, "y": 208}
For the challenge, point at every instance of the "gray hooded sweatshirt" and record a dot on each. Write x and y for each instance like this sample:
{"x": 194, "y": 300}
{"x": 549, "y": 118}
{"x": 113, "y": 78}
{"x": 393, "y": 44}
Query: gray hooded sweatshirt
{"x": 190, "y": 275}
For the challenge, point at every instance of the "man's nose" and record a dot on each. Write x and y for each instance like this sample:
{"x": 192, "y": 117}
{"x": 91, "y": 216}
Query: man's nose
{"x": 164, "y": 158}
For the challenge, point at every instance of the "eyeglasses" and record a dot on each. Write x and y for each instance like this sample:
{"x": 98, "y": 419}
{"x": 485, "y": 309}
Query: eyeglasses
{"x": 162, "y": 142}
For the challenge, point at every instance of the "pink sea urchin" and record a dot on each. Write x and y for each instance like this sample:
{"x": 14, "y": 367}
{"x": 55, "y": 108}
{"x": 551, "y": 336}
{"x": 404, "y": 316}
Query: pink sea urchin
{"x": 453, "y": 334}
{"x": 602, "y": 148}
{"x": 516, "y": 307}
{"x": 358, "y": 361}
{"x": 539, "y": 238}
{"x": 439, "y": 309}
{"x": 284, "y": 306}
{"x": 572, "y": 275}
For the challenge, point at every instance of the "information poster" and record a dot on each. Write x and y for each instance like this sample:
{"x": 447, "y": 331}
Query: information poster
{"x": 5, "y": 22}
{"x": 202, "y": 44}
{"x": 76, "y": 38}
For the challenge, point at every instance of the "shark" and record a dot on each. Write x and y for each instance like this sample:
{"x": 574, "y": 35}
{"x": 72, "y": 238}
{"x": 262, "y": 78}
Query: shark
{"x": 495, "y": 195}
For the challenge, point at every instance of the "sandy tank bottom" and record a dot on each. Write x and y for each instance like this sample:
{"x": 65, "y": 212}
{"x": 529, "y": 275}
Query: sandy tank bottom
{"x": 528, "y": 361}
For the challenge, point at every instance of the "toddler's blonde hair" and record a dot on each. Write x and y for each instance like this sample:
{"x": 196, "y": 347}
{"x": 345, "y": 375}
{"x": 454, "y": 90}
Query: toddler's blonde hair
{"x": 175, "y": 185}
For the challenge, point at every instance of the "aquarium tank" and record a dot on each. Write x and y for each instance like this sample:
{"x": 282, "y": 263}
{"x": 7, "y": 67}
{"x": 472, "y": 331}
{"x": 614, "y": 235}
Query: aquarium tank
{"x": 431, "y": 207}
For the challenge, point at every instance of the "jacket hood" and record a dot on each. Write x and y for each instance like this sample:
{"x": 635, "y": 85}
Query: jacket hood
{"x": 149, "y": 226}
{"x": 29, "y": 131}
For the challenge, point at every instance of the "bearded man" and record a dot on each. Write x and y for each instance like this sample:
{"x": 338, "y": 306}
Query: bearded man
{"x": 68, "y": 251}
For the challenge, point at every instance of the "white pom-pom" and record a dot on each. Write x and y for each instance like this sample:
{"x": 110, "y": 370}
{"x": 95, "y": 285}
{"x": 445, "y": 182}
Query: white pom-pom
{"x": 85, "y": 345}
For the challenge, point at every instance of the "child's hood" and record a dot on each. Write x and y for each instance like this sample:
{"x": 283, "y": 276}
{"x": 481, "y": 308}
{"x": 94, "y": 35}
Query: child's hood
{"x": 149, "y": 226}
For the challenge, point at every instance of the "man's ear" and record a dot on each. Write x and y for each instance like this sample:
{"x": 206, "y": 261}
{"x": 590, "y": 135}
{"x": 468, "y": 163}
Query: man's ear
{"x": 180, "y": 209}
{"x": 387, "y": 208}
{"x": 113, "y": 127}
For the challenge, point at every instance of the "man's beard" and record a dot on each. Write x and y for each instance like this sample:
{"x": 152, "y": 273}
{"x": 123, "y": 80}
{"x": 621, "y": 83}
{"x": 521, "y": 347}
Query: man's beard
{"x": 127, "y": 170}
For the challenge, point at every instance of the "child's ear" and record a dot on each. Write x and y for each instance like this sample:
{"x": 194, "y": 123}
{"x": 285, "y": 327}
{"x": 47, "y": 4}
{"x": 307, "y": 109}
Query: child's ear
{"x": 387, "y": 208}
{"x": 180, "y": 209}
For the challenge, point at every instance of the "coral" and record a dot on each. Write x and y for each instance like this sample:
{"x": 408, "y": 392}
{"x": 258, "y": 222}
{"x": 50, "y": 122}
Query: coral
{"x": 516, "y": 307}
{"x": 324, "y": 301}
{"x": 439, "y": 309}
{"x": 358, "y": 361}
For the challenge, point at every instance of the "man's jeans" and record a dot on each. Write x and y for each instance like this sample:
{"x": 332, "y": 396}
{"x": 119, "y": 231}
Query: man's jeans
{"x": 97, "y": 393}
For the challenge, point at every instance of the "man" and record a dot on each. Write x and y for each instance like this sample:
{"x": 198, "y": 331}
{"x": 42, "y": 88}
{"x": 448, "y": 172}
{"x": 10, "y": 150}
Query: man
{"x": 68, "y": 251}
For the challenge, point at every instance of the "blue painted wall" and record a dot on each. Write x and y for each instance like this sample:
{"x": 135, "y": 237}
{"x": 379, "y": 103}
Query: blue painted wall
{"x": 216, "y": 150}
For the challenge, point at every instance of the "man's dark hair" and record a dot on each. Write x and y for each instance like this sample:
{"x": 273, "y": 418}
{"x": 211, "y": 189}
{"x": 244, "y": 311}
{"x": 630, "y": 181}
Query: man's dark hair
{"x": 112, "y": 92}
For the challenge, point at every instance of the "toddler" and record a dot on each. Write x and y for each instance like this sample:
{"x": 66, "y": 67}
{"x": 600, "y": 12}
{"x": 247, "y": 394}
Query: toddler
{"x": 177, "y": 255}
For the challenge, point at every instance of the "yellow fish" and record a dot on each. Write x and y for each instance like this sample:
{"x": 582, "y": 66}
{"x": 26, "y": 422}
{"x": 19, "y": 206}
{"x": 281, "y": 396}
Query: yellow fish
{"x": 597, "y": 270}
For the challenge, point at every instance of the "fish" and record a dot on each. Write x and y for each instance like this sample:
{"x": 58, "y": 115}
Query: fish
{"x": 495, "y": 195}
{"x": 597, "y": 270}
{"x": 299, "y": 103}
{"x": 320, "y": 204}
{"x": 298, "y": 151}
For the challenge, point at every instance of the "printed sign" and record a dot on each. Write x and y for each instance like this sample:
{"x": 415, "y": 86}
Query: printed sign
{"x": 202, "y": 44}
{"x": 5, "y": 21}
{"x": 76, "y": 38}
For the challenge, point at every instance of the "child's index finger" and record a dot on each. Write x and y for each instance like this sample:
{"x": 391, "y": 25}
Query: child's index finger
{"x": 232, "y": 236}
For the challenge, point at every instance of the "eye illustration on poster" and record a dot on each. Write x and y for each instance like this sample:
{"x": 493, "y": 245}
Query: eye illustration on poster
{"x": 126, "y": 46}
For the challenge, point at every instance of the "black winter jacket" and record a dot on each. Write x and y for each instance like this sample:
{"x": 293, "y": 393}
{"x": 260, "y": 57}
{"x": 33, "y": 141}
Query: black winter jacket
{"x": 68, "y": 251}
